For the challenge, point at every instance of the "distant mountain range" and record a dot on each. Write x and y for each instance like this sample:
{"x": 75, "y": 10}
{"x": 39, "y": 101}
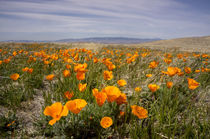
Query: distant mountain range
{"x": 104, "y": 40}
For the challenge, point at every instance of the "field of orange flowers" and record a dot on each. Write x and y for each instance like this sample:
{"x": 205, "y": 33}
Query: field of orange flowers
{"x": 105, "y": 93}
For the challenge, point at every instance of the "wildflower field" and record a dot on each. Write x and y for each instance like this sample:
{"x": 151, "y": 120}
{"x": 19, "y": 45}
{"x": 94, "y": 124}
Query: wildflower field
{"x": 55, "y": 91}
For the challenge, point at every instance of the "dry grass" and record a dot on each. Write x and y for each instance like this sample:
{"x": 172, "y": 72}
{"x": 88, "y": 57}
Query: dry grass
{"x": 191, "y": 44}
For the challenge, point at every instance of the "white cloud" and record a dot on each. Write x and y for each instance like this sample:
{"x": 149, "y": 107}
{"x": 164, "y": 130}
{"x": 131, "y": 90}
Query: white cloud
{"x": 138, "y": 18}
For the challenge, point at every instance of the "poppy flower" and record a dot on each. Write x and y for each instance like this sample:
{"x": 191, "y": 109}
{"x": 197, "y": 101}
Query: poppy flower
{"x": 153, "y": 64}
{"x": 80, "y": 67}
{"x": 180, "y": 73}
{"x": 153, "y": 87}
{"x": 197, "y": 71}
{"x": 11, "y": 123}
{"x": 82, "y": 87}
{"x": 80, "y": 75}
{"x": 7, "y": 60}
{"x": 0, "y": 62}
{"x": 179, "y": 56}
{"x": 122, "y": 113}
{"x": 69, "y": 61}
{"x": 138, "y": 89}
{"x": 25, "y": 69}
{"x": 168, "y": 61}
{"x": 144, "y": 54}
{"x": 169, "y": 84}
{"x": 121, "y": 82}
{"x": 112, "y": 93}
{"x": 192, "y": 84}
{"x": 187, "y": 70}
{"x": 196, "y": 55}
{"x": 140, "y": 112}
{"x": 50, "y": 77}
{"x": 108, "y": 75}
{"x": 68, "y": 66}
{"x": 95, "y": 60}
{"x": 131, "y": 59}
{"x": 204, "y": 55}
{"x": 14, "y": 76}
{"x": 94, "y": 91}
{"x": 76, "y": 57}
{"x": 46, "y": 62}
{"x": 111, "y": 66}
{"x": 30, "y": 70}
{"x": 205, "y": 69}
{"x": 106, "y": 122}
{"x": 171, "y": 71}
{"x": 122, "y": 99}
{"x": 69, "y": 95}
{"x": 66, "y": 73}
{"x": 148, "y": 75}
{"x": 76, "y": 105}
{"x": 14, "y": 53}
{"x": 167, "y": 55}
{"x": 100, "y": 98}
{"x": 56, "y": 111}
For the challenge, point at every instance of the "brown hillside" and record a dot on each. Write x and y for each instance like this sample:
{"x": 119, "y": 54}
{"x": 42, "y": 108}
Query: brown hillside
{"x": 201, "y": 44}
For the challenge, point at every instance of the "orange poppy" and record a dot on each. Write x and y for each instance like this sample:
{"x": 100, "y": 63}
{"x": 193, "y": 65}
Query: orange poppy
{"x": 30, "y": 70}
{"x": 148, "y": 75}
{"x": 121, "y": 82}
{"x": 106, "y": 122}
{"x": 204, "y": 55}
{"x": 56, "y": 111}
{"x": 197, "y": 71}
{"x": 111, "y": 66}
{"x": 46, "y": 62}
{"x": 80, "y": 75}
{"x": 122, "y": 113}
{"x": 14, "y": 53}
{"x": 94, "y": 91}
{"x": 192, "y": 84}
{"x": 180, "y": 73}
{"x": 140, "y": 112}
{"x": 179, "y": 56}
{"x": 68, "y": 66}
{"x": 108, "y": 75}
{"x": 66, "y": 73}
{"x": 80, "y": 68}
{"x": 187, "y": 70}
{"x": 153, "y": 87}
{"x": 168, "y": 61}
{"x": 7, "y": 60}
{"x": 100, "y": 98}
{"x": 25, "y": 69}
{"x": 69, "y": 95}
{"x": 169, "y": 84}
{"x": 153, "y": 64}
{"x": 171, "y": 71}
{"x": 50, "y": 77}
{"x": 144, "y": 54}
{"x": 11, "y": 123}
{"x": 14, "y": 76}
{"x": 112, "y": 93}
{"x": 82, "y": 87}
{"x": 138, "y": 89}
{"x": 95, "y": 60}
{"x": 122, "y": 99}
{"x": 76, "y": 105}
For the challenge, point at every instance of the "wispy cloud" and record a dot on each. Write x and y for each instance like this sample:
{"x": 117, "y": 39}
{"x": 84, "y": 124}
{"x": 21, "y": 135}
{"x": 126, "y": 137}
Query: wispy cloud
{"x": 82, "y": 18}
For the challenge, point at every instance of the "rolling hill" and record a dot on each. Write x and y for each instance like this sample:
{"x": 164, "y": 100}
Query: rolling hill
{"x": 201, "y": 44}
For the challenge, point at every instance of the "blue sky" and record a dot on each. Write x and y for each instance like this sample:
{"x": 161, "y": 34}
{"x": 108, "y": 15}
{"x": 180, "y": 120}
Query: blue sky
{"x": 60, "y": 19}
